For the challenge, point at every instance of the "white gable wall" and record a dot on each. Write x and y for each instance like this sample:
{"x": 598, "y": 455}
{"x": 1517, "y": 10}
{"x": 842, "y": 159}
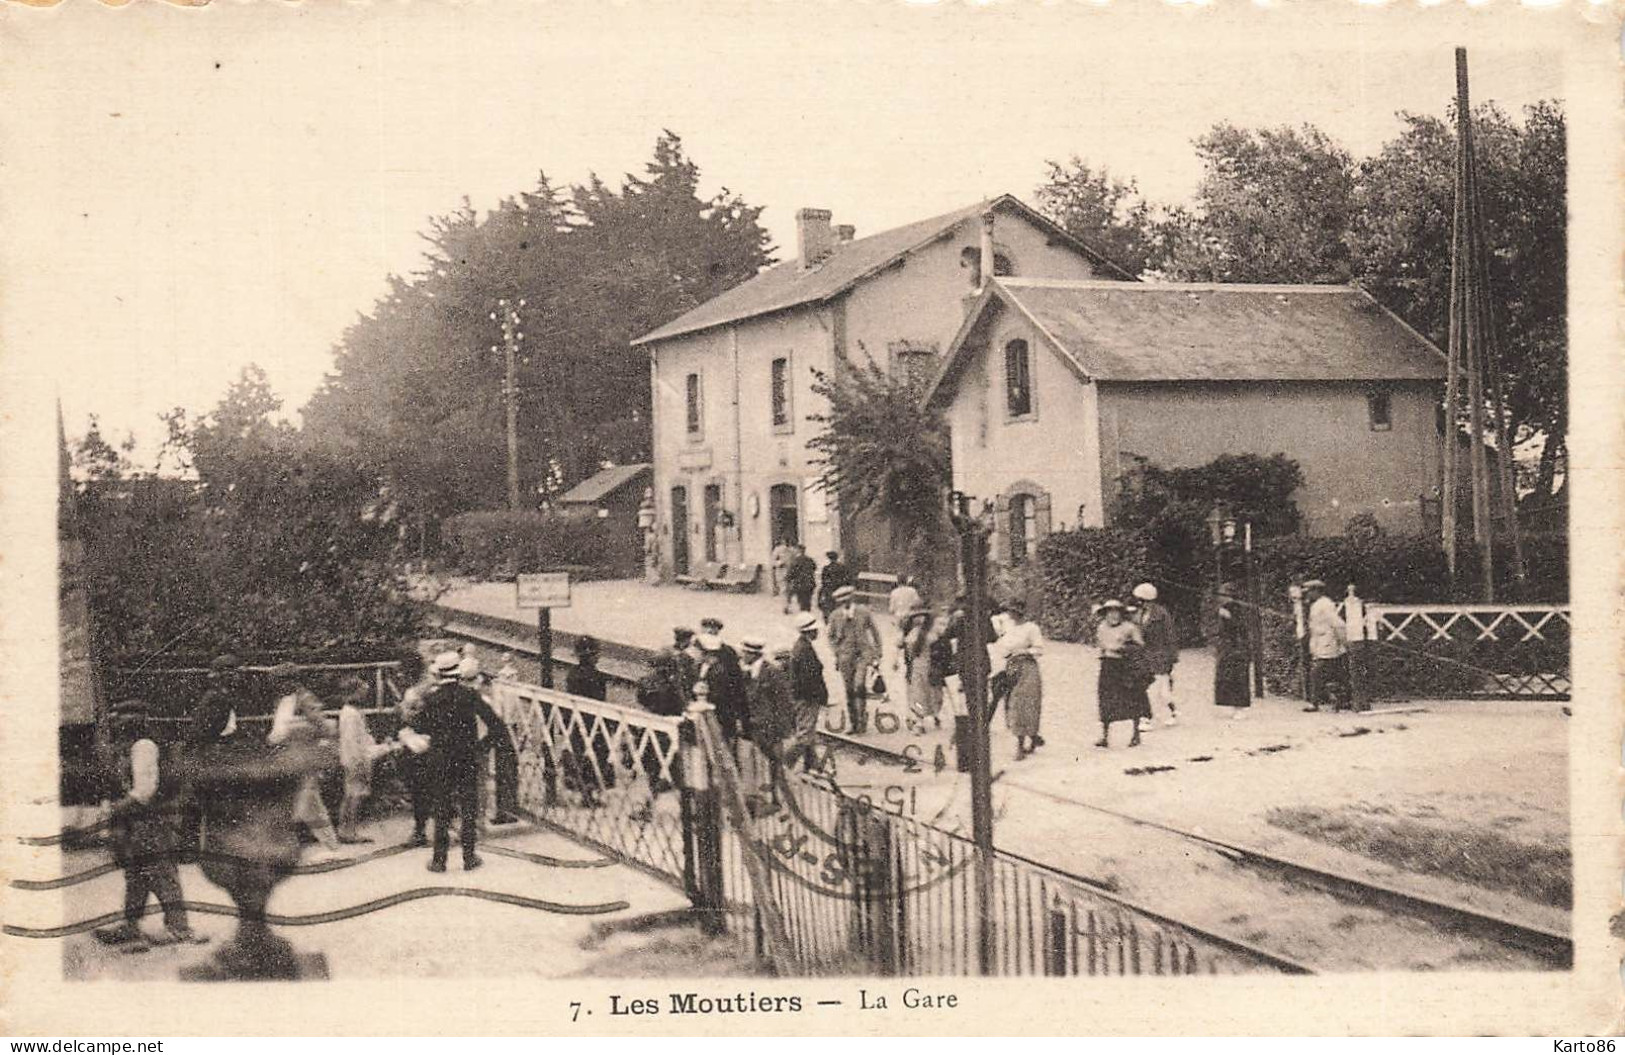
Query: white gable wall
{"x": 1056, "y": 448}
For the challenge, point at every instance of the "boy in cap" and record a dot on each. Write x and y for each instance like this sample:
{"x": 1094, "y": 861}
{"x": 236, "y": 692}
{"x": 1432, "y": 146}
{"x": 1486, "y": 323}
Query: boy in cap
{"x": 856, "y": 644}
{"x": 767, "y": 694}
{"x": 144, "y": 835}
{"x": 808, "y": 689}
{"x": 1160, "y": 654}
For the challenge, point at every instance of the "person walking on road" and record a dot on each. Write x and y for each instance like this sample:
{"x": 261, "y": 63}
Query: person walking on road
{"x": 144, "y": 834}
{"x": 1120, "y": 690}
{"x": 1328, "y": 651}
{"x": 835, "y": 577}
{"x": 801, "y": 579}
{"x": 783, "y": 553}
{"x": 446, "y": 731}
{"x": 1021, "y": 645}
{"x": 724, "y": 682}
{"x": 918, "y": 647}
{"x": 809, "y": 690}
{"x": 903, "y": 599}
{"x": 1232, "y": 684}
{"x": 856, "y": 644}
{"x": 414, "y": 772}
{"x": 767, "y": 691}
{"x": 299, "y": 713}
{"x": 1161, "y": 653}
{"x": 357, "y": 753}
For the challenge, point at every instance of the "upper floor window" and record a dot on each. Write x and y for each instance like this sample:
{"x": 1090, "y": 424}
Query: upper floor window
{"x": 696, "y": 406}
{"x": 779, "y": 384}
{"x": 1018, "y": 382}
{"x": 1379, "y": 409}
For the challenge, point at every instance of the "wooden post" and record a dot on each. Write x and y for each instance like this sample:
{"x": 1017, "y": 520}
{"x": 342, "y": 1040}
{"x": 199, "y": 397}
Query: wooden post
{"x": 1354, "y": 620}
{"x": 544, "y": 636}
{"x": 973, "y": 673}
{"x": 702, "y": 839}
{"x": 1255, "y": 617}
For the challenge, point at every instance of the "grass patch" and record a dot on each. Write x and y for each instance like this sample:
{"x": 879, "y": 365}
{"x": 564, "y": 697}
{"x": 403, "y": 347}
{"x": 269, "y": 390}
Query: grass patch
{"x": 1483, "y": 858}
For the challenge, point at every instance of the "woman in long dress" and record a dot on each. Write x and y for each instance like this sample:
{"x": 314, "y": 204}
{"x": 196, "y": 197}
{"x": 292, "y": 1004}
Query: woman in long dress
{"x": 924, "y": 689}
{"x": 1231, "y": 686}
{"x": 1022, "y": 644}
{"x": 1121, "y": 687}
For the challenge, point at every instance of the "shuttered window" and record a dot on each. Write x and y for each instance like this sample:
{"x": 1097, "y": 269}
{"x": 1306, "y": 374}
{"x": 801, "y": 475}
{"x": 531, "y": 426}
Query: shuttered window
{"x": 779, "y": 385}
{"x": 696, "y": 421}
{"x": 1018, "y": 386}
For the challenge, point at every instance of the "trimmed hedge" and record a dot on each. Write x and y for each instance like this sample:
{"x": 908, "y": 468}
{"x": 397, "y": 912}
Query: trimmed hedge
{"x": 1080, "y": 568}
{"x": 496, "y": 544}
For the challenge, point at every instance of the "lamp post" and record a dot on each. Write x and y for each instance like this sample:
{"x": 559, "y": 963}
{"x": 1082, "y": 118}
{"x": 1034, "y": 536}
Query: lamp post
{"x": 1221, "y": 527}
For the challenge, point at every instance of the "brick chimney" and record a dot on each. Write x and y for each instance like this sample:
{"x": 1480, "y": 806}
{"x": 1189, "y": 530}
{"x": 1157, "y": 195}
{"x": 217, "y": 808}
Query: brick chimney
{"x": 815, "y": 240}
{"x": 987, "y": 247}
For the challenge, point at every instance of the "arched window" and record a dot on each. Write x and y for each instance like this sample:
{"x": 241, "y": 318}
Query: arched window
{"x": 1018, "y": 379}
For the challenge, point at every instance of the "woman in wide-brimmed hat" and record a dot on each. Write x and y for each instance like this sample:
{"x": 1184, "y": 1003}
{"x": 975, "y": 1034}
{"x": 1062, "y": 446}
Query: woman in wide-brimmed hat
{"x": 1232, "y": 686}
{"x": 924, "y": 690}
{"x": 1021, "y": 644}
{"x": 1120, "y": 690}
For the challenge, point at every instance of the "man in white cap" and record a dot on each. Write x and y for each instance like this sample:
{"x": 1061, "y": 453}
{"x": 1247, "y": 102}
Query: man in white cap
{"x": 808, "y": 689}
{"x": 449, "y": 722}
{"x": 1161, "y": 652}
{"x": 1328, "y": 650}
{"x": 856, "y": 644}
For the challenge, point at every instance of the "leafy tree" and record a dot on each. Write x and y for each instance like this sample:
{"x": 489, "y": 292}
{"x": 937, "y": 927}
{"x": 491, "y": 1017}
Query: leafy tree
{"x": 279, "y": 545}
{"x": 1401, "y": 239}
{"x": 1106, "y": 213}
{"x": 416, "y": 394}
{"x": 880, "y": 450}
{"x": 1274, "y": 205}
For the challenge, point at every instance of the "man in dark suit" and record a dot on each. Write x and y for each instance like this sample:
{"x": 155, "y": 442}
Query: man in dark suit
{"x": 801, "y": 579}
{"x": 724, "y": 681}
{"x": 449, "y": 720}
{"x": 809, "y": 691}
{"x": 836, "y": 576}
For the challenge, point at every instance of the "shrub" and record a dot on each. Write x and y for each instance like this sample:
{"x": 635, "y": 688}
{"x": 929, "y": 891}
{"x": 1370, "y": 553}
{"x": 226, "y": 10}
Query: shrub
{"x": 1078, "y": 569}
{"x": 496, "y": 544}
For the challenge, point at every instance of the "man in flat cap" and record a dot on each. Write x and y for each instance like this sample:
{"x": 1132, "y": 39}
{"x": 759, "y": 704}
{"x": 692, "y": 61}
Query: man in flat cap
{"x": 767, "y": 692}
{"x": 855, "y": 641}
{"x": 144, "y": 834}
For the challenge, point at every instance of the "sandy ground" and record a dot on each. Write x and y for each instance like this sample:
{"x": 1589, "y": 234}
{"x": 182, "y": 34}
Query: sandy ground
{"x": 444, "y": 936}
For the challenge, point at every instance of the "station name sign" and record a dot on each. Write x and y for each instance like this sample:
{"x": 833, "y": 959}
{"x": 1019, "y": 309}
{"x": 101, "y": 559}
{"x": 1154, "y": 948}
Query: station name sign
{"x": 549, "y": 589}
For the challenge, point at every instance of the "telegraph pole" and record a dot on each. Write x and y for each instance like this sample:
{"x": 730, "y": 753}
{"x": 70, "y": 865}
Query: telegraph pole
{"x": 507, "y": 314}
{"x": 973, "y": 673}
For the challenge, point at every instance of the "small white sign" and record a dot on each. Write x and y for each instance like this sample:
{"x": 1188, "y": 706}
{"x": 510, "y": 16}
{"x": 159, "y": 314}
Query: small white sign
{"x": 548, "y": 589}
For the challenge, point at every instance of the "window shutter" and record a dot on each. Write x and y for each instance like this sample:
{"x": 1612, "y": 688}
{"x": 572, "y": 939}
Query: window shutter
{"x": 1001, "y": 530}
{"x": 1041, "y": 505}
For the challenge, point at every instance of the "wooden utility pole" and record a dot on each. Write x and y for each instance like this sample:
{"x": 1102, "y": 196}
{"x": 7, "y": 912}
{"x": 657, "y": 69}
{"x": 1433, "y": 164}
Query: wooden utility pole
{"x": 508, "y": 315}
{"x": 973, "y": 674}
{"x": 1473, "y": 359}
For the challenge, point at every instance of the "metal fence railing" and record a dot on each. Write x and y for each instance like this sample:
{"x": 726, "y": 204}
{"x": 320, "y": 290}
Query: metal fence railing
{"x": 858, "y": 889}
{"x": 606, "y": 774}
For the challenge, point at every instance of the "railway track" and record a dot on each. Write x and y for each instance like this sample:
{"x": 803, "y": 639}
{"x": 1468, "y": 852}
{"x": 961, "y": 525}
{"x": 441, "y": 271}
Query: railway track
{"x": 1548, "y": 946}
